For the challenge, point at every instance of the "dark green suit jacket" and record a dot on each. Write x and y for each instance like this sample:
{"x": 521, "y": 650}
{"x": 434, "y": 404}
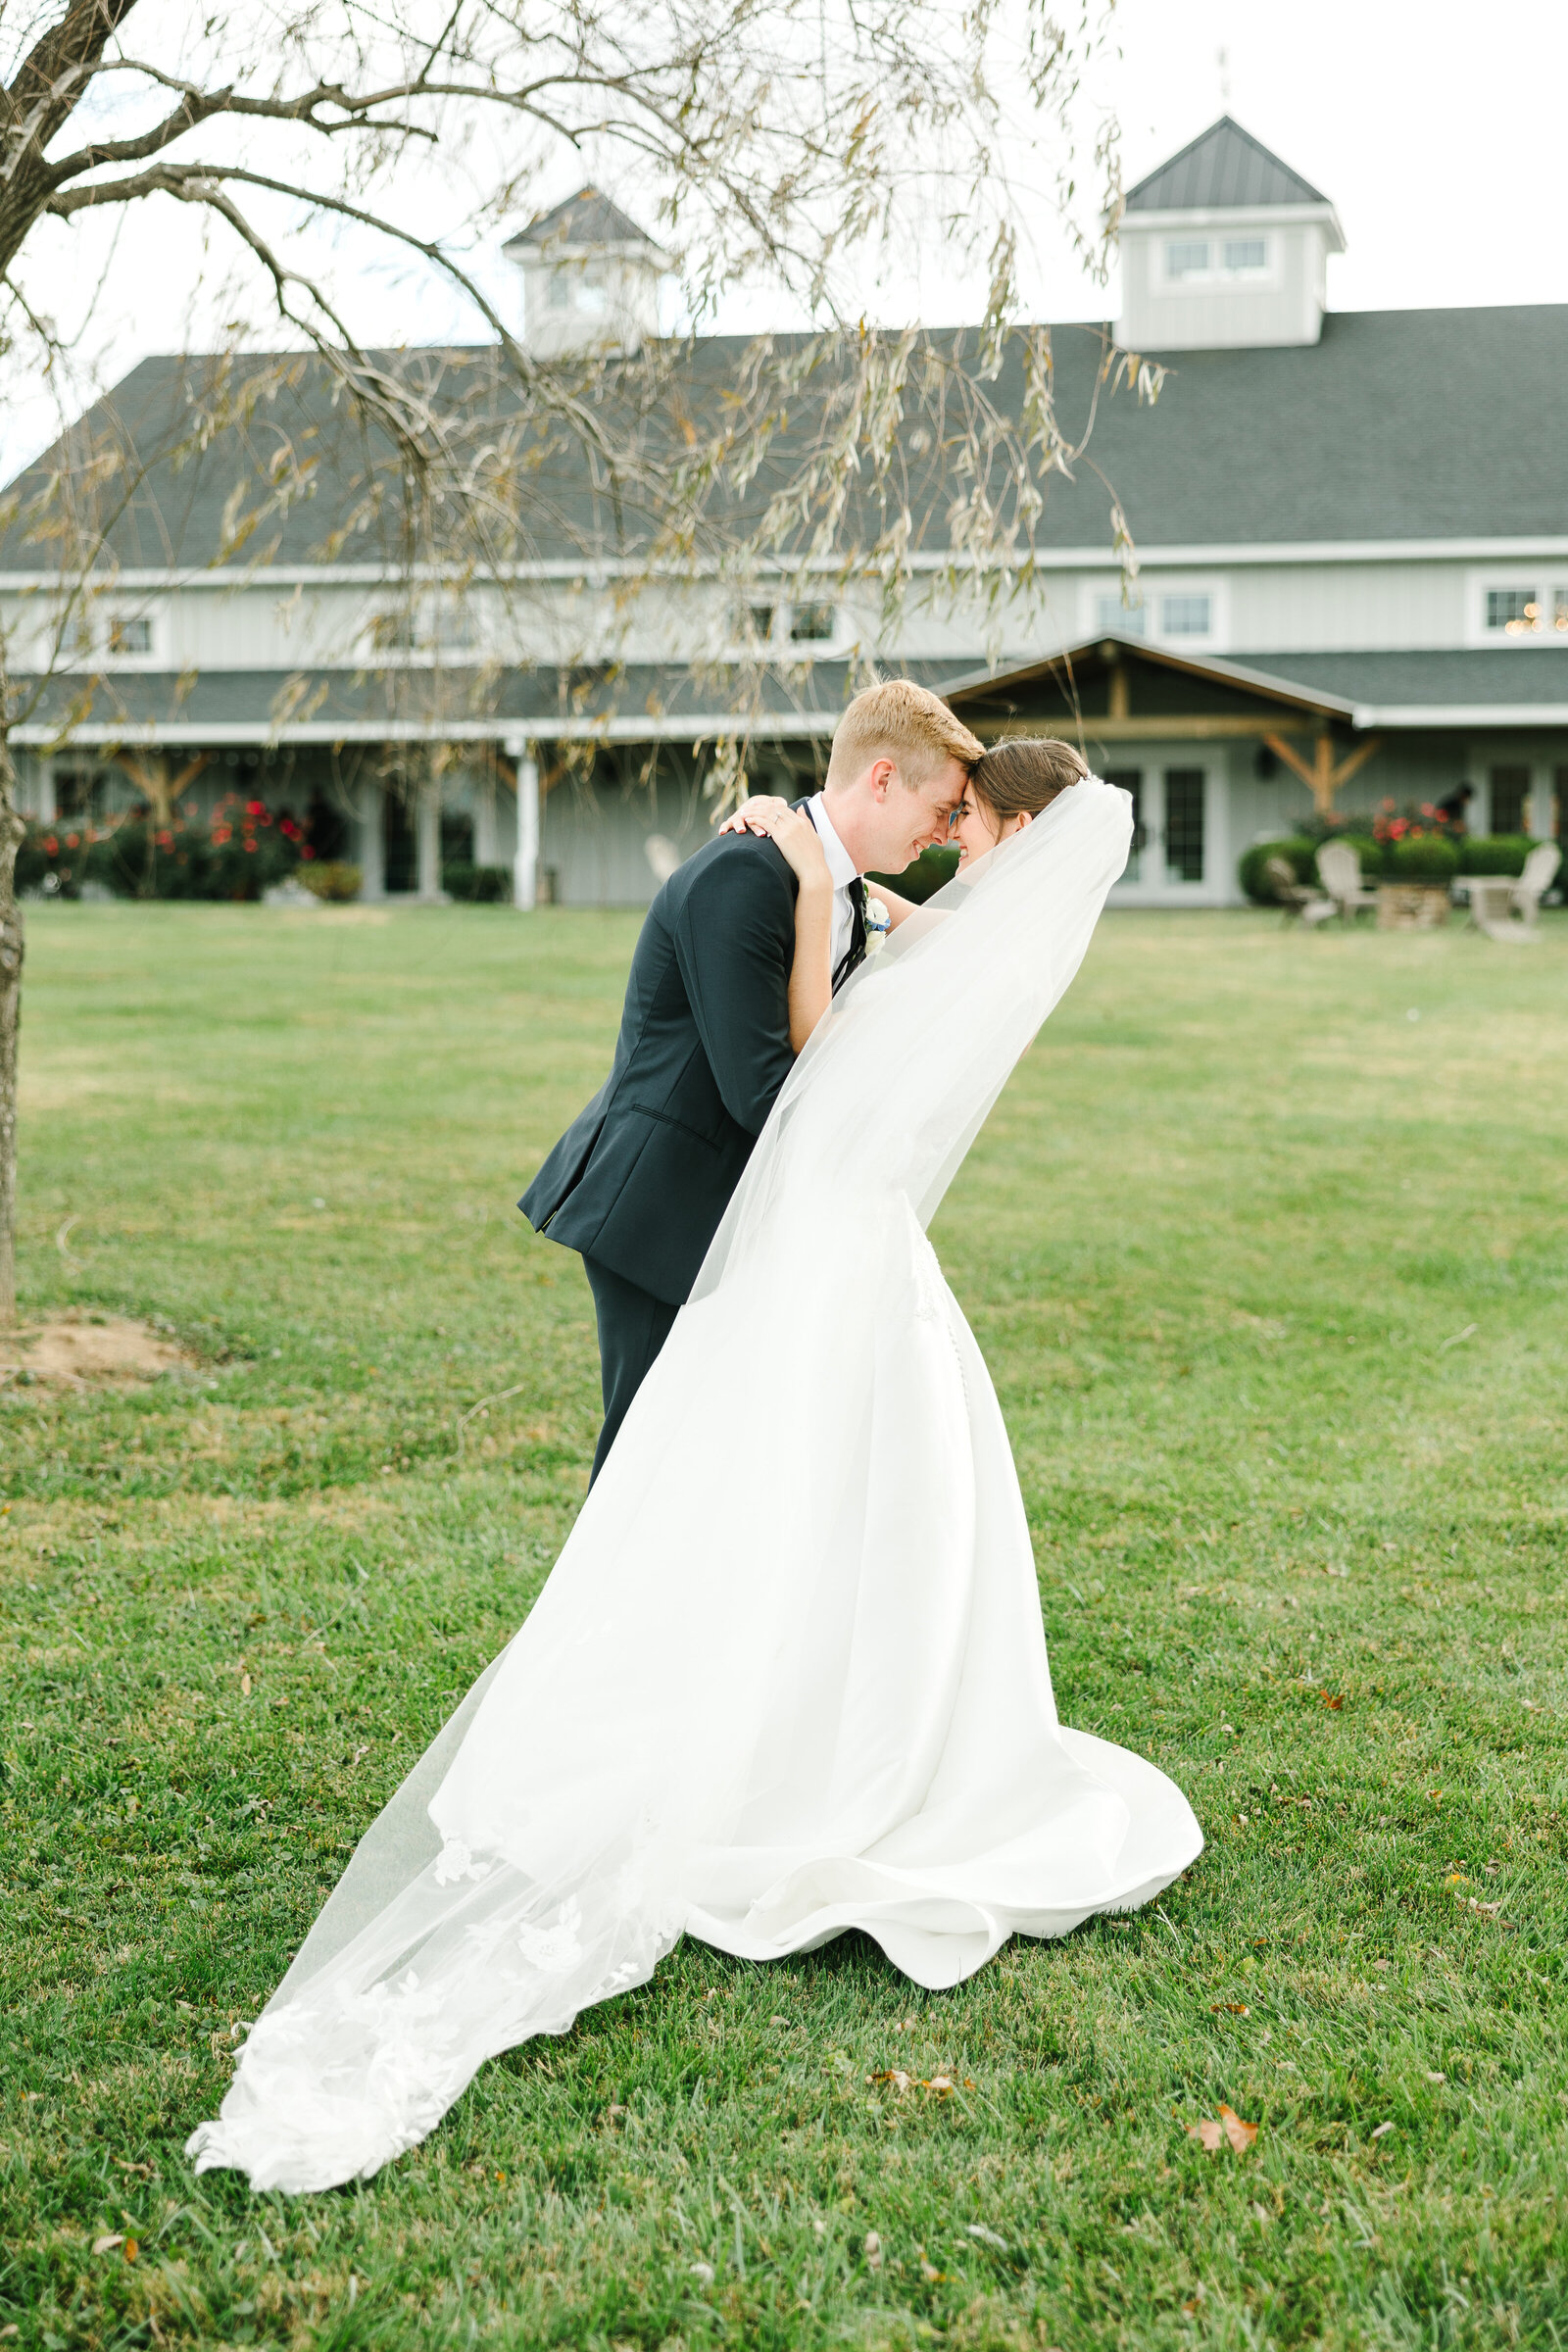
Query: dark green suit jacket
{"x": 642, "y": 1177}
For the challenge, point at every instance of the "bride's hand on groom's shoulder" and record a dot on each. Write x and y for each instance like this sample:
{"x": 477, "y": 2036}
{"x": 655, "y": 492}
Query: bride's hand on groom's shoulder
{"x": 758, "y": 814}
{"x": 792, "y": 831}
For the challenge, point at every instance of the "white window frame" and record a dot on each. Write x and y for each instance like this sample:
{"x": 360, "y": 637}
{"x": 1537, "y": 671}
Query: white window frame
{"x": 1548, "y": 585}
{"x": 103, "y": 651}
{"x": 1153, "y": 587}
{"x": 1216, "y": 278}
{"x": 780, "y": 645}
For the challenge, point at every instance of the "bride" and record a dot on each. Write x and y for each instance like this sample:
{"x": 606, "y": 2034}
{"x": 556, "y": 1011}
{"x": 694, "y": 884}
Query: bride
{"x": 762, "y": 1706}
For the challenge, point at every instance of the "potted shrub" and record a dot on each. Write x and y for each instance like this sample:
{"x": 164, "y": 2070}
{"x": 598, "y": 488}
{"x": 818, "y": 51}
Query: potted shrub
{"x": 1420, "y": 855}
{"x": 1415, "y": 897}
{"x": 331, "y": 879}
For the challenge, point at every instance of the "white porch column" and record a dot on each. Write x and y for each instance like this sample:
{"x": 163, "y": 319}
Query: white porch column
{"x": 525, "y": 869}
{"x": 485, "y": 849}
{"x": 428, "y": 821}
{"x": 371, "y": 842}
{"x": 1541, "y": 815}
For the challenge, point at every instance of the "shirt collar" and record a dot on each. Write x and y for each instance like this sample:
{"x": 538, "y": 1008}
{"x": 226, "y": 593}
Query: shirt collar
{"x": 840, "y": 864}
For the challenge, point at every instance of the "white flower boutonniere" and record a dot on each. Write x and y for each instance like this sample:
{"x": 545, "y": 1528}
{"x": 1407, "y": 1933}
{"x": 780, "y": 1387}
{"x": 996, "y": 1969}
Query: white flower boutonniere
{"x": 877, "y": 925}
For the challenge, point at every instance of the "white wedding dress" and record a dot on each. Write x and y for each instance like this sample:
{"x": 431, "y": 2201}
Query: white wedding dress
{"x": 777, "y": 1688}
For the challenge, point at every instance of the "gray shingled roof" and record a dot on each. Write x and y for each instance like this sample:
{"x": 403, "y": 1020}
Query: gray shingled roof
{"x": 808, "y": 700}
{"x": 1398, "y": 426}
{"x": 1223, "y": 165}
{"x": 586, "y": 219}
{"x": 1482, "y": 678}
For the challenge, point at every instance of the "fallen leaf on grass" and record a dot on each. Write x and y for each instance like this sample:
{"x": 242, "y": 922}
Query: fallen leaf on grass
{"x": 703, "y": 2271}
{"x": 1432, "y": 2077}
{"x": 1380, "y": 2129}
{"x": 244, "y": 1685}
{"x": 987, "y": 2238}
{"x": 944, "y": 2085}
{"x": 929, "y": 2269}
{"x": 873, "y": 2250}
{"x": 1231, "y": 2008}
{"x": 107, "y": 2244}
{"x": 1214, "y": 2131}
{"x": 1334, "y": 1699}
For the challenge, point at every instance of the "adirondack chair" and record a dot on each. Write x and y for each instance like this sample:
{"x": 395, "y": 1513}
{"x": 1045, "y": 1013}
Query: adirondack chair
{"x": 1540, "y": 873}
{"x": 1300, "y": 903}
{"x": 1507, "y": 910}
{"x": 1341, "y": 870}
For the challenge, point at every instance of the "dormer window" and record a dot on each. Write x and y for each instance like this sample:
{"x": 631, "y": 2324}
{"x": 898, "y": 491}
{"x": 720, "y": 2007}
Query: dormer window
{"x": 130, "y": 633}
{"x": 812, "y": 624}
{"x": 765, "y": 628}
{"x": 1515, "y": 612}
{"x": 1186, "y": 616}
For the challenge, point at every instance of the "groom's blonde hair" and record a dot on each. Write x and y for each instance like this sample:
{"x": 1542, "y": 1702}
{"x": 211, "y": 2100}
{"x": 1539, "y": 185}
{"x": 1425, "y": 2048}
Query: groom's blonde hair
{"x": 906, "y": 723}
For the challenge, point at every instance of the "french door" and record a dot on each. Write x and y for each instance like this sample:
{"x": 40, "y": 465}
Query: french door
{"x": 1170, "y": 850}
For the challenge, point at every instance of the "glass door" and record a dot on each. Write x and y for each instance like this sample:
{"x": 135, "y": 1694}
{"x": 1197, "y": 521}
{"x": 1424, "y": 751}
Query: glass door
{"x": 1169, "y": 857}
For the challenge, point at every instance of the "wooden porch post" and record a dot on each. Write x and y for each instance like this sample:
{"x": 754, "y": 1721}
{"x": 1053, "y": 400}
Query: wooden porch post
{"x": 1320, "y": 776}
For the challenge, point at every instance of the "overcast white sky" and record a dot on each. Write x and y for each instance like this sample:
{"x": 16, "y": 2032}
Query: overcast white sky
{"x": 1438, "y": 142}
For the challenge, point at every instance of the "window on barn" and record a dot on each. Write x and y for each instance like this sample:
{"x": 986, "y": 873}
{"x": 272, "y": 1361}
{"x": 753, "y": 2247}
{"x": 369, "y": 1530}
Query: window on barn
{"x": 452, "y": 624}
{"x": 1559, "y": 609}
{"x": 1511, "y": 799}
{"x": 130, "y": 633}
{"x": 1514, "y": 612}
{"x": 1244, "y": 257}
{"x": 1112, "y": 614}
{"x": 393, "y": 632}
{"x": 756, "y": 624}
{"x": 812, "y": 624}
{"x": 1184, "y": 823}
{"x": 1186, "y": 616}
{"x": 1187, "y": 256}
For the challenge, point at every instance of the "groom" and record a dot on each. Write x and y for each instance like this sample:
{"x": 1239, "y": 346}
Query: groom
{"x": 642, "y": 1177}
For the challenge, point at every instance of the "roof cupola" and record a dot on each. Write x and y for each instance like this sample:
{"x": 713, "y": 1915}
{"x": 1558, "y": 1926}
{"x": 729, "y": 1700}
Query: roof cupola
{"x": 1224, "y": 246}
{"x": 590, "y": 278}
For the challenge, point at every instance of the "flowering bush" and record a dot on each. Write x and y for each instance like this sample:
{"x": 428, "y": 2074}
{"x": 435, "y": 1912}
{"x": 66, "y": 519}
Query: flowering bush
{"x": 235, "y": 854}
{"x": 1422, "y": 822}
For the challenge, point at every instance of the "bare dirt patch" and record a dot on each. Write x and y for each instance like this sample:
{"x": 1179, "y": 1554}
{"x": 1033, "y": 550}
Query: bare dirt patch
{"x": 70, "y": 1350}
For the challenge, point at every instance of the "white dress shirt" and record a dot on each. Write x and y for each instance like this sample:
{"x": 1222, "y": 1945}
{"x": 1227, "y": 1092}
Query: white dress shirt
{"x": 843, "y": 872}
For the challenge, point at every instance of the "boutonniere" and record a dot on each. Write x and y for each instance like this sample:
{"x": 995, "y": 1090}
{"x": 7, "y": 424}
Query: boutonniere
{"x": 877, "y": 925}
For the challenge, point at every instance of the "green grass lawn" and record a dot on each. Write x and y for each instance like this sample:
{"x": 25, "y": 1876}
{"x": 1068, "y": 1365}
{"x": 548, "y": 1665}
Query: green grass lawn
{"x": 1266, "y": 1246}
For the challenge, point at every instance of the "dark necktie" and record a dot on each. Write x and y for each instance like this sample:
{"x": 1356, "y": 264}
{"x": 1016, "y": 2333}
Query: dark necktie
{"x": 855, "y": 954}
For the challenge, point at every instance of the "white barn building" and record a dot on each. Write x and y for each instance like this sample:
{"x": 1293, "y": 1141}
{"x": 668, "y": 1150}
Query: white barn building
{"x": 1352, "y": 543}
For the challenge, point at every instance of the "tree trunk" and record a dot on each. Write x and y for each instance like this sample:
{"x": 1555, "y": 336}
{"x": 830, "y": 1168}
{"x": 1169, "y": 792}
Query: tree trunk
{"x": 11, "y": 947}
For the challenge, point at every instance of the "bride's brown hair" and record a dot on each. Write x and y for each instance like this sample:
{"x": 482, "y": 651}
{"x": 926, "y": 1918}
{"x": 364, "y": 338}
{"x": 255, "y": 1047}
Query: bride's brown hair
{"x": 1023, "y": 775}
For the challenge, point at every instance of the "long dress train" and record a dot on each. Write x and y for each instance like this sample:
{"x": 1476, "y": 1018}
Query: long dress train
{"x": 758, "y": 1704}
